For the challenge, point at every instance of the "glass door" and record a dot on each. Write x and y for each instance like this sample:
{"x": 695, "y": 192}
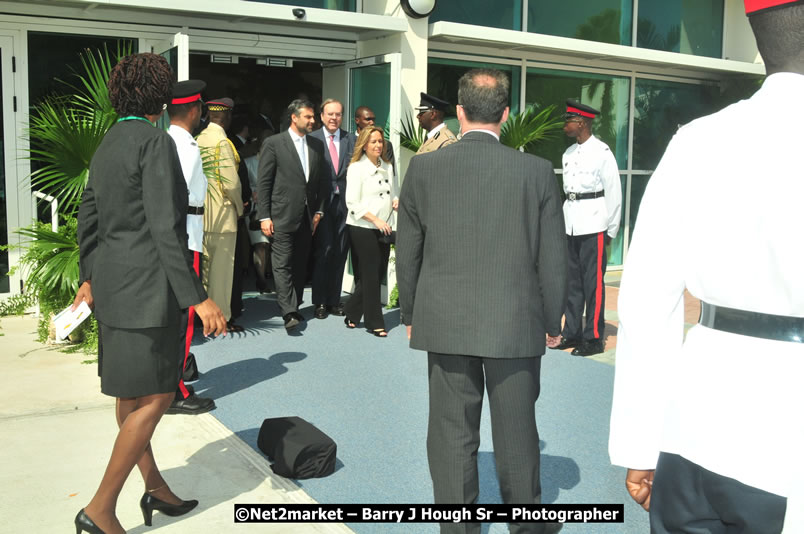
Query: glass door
{"x": 375, "y": 82}
{"x": 9, "y": 183}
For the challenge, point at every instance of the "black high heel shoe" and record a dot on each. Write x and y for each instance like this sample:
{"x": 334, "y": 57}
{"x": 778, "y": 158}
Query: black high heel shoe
{"x": 83, "y": 522}
{"x": 149, "y": 503}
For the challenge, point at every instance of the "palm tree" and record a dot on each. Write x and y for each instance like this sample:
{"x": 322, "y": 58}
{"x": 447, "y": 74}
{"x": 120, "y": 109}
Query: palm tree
{"x": 64, "y": 132}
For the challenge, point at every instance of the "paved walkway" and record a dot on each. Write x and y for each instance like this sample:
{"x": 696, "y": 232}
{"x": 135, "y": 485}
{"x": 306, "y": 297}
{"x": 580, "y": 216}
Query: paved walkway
{"x": 57, "y": 433}
{"x": 58, "y": 429}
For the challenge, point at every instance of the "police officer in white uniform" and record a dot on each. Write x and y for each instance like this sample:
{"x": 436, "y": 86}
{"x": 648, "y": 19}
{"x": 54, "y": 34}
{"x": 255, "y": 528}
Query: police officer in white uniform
{"x": 592, "y": 219}
{"x": 185, "y": 116}
{"x": 711, "y": 425}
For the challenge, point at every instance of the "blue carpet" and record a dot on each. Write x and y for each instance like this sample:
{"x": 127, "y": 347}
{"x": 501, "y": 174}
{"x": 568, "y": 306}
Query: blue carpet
{"x": 370, "y": 395}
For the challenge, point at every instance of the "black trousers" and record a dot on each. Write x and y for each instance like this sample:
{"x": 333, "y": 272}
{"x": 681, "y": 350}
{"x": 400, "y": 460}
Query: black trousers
{"x": 456, "y": 386}
{"x": 686, "y": 498}
{"x": 586, "y": 267}
{"x": 369, "y": 263}
{"x": 289, "y": 253}
{"x": 240, "y": 267}
{"x": 331, "y": 246}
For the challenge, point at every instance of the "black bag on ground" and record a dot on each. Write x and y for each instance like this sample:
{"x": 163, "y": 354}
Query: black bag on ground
{"x": 297, "y": 448}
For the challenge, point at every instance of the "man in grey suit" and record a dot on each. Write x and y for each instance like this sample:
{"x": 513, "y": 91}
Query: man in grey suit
{"x": 291, "y": 191}
{"x": 331, "y": 242}
{"x": 481, "y": 265}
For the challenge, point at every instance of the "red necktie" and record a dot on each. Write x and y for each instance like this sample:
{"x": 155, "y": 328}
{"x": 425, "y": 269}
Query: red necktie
{"x": 333, "y": 153}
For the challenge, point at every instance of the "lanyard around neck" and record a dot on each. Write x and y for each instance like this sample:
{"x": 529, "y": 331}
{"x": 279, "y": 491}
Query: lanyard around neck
{"x": 135, "y": 118}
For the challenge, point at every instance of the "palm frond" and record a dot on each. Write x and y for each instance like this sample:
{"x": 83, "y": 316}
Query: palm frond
{"x": 412, "y": 135}
{"x": 63, "y": 141}
{"x": 210, "y": 163}
{"x": 54, "y": 260}
{"x": 529, "y": 127}
{"x": 65, "y": 131}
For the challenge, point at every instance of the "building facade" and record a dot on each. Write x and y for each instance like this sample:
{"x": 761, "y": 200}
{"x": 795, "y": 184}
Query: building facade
{"x": 649, "y": 65}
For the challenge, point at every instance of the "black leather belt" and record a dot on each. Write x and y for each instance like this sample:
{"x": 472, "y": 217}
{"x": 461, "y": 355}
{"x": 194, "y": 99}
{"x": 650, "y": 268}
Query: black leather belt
{"x": 584, "y": 196}
{"x": 193, "y": 210}
{"x": 754, "y": 324}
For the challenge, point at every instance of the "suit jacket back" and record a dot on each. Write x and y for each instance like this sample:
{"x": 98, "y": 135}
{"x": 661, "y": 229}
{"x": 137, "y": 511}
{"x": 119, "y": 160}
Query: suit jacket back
{"x": 283, "y": 194}
{"x": 481, "y": 252}
{"x": 132, "y": 231}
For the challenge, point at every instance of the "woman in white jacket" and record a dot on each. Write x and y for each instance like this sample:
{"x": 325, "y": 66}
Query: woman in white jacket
{"x": 371, "y": 198}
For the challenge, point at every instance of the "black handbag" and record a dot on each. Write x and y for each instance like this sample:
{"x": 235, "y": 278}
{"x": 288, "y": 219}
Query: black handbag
{"x": 388, "y": 239}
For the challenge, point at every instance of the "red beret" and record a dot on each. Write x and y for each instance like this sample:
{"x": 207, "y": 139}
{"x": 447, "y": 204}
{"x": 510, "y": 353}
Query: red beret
{"x": 755, "y": 6}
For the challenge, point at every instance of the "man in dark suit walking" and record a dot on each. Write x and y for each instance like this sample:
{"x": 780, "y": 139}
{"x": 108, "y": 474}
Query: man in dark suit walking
{"x": 481, "y": 266}
{"x": 331, "y": 241}
{"x": 291, "y": 191}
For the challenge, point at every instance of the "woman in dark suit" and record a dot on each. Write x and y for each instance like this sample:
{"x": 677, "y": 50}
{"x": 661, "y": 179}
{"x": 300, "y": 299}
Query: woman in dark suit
{"x": 137, "y": 273}
{"x": 371, "y": 198}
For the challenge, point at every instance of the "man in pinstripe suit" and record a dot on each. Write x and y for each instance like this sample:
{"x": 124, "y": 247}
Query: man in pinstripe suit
{"x": 481, "y": 265}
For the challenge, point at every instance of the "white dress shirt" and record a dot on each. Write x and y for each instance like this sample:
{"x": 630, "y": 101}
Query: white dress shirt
{"x": 193, "y": 170}
{"x": 300, "y": 142}
{"x": 435, "y": 130}
{"x": 370, "y": 189}
{"x": 588, "y": 168}
{"x": 721, "y": 216}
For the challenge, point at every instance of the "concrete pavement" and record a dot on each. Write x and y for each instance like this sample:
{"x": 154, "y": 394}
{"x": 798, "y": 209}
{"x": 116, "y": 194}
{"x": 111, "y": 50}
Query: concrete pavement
{"x": 58, "y": 431}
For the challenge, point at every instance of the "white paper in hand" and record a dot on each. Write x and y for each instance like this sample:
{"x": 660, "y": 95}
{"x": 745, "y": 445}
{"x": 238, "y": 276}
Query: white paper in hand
{"x": 67, "y": 321}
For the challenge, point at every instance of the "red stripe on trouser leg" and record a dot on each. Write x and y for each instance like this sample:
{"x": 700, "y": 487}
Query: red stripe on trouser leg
{"x": 190, "y": 323}
{"x": 601, "y": 249}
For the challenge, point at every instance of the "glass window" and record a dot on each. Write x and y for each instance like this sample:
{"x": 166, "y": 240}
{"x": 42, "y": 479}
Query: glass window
{"x": 605, "y": 21}
{"x": 371, "y": 86}
{"x": 442, "y": 82}
{"x": 607, "y": 93}
{"x": 4, "y": 264}
{"x": 687, "y": 26}
{"x": 615, "y": 251}
{"x": 660, "y": 108}
{"x": 505, "y": 14}
{"x": 639, "y": 182}
{"x": 341, "y": 5}
{"x": 56, "y": 56}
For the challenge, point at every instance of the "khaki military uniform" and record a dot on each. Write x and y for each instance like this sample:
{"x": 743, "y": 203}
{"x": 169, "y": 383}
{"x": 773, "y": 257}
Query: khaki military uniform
{"x": 442, "y": 138}
{"x": 222, "y": 208}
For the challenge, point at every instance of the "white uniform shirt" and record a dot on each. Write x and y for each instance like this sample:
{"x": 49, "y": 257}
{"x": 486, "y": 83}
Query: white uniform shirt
{"x": 722, "y": 217}
{"x": 588, "y": 168}
{"x": 191, "y": 167}
{"x": 435, "y": 130}
{"x": 370, "y": 189}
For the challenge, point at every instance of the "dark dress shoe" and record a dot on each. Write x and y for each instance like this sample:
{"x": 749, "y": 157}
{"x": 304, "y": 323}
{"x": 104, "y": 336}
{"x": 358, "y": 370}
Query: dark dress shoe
{"x": 337, "y": 310}
{"x": 320, "y": 311}
{"x": 568, "y": 344}
{"x": 83, "y": 522}
{"x": 291, "y": 321}
{"x": 192, "y": 405}
{"x": 299, "y": 316}
{"x": 149, "y": 503}
{"x": 589, "y": 348}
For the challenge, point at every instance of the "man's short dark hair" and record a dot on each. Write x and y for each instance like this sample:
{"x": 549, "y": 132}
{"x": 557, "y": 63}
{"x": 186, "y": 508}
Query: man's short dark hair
{"x": 179, "y": 111}
{"x": 483, "y": 94}
{"x": 780, "y": 37}
{"x": 299, "y": 104}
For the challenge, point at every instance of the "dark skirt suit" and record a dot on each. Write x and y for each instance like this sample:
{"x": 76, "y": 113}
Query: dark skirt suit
{"x": 132, "y": 237}
{"x": 369, "y": 189}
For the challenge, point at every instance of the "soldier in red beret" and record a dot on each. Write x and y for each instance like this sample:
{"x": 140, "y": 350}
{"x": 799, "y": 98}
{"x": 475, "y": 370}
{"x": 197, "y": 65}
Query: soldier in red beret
{"x": 710, "y": 424}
